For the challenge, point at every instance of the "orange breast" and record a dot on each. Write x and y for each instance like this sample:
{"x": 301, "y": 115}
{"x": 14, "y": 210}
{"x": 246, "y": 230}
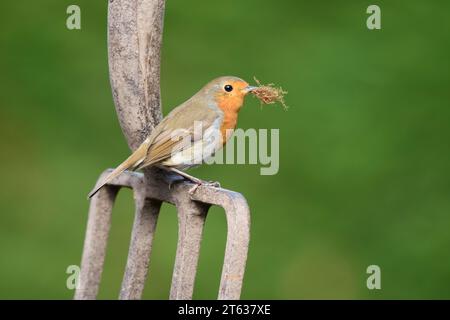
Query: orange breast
{"x": 230, "y": 107}
{"x": 229, "y": 122}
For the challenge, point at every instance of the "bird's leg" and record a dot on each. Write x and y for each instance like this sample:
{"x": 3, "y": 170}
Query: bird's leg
{"x": 187, "y": 176}
{"x": 197, "y": 181}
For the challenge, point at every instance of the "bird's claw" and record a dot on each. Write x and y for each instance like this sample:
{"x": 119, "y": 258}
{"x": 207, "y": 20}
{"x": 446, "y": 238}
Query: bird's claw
{"x": 214, "y": 184}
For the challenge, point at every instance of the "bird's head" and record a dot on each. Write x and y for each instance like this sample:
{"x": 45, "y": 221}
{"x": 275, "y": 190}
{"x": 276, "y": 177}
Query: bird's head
{"x": 228, "y": 92}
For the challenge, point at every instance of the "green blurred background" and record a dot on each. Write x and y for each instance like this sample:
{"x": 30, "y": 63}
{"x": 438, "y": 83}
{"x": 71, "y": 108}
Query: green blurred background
{"x": 364, "y": 166}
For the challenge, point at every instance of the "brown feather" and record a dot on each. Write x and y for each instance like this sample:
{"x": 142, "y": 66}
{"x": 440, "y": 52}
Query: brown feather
{"x": 130, "y": 162}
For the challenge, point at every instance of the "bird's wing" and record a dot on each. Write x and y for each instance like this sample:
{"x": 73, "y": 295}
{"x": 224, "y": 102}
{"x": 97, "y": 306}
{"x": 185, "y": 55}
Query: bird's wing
{"x": 176, "y": 131}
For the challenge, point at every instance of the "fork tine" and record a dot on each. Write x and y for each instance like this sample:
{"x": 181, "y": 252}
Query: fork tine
{"x": 97, "y": 231}
{"x": 138, "y": 260}
{"x": 238, "y": 236}
{"x": 191, "y": 219}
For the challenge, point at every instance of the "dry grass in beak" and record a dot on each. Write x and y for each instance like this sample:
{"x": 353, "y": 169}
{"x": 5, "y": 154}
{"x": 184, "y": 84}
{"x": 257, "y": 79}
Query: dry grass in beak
{"x": 269, "y": 94}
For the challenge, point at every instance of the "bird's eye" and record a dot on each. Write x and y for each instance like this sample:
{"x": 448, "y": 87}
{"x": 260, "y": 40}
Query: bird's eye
{"x": 228, "y": 88}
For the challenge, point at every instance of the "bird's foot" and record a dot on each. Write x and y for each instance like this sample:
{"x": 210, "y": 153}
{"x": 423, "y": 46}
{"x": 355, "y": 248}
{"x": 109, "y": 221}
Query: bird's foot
{"x": 215, "y": 184}
{"x": 197, "y": 182}
{"x": 194, "y": 188}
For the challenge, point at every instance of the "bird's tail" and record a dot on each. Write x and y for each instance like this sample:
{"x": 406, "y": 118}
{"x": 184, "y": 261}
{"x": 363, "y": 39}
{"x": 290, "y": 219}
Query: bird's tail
{"x": 134, "y": 160}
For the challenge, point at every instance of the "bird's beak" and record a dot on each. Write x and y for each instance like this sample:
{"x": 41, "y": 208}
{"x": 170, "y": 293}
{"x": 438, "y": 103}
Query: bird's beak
{"x": 248, "y": 89}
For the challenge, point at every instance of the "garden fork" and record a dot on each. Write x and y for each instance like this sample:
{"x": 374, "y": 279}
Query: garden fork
{"x": 134, "y": 42}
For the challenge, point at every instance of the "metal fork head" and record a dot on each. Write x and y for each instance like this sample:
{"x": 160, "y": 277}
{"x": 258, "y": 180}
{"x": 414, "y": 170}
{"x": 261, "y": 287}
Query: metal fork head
{"x": 150, "y": 190}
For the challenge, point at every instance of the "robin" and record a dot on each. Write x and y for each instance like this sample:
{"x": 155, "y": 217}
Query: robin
{"x": 173, "y": 143}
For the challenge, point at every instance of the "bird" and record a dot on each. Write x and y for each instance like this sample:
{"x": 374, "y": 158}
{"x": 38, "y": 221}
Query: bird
{"x": 175, "y": 143}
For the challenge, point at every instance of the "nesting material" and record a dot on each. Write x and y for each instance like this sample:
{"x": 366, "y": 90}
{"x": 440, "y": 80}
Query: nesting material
{"x": 269, "y": 94}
